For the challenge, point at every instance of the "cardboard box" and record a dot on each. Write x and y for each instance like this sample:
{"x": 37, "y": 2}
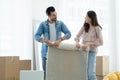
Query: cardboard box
{"x": 31, "y": 75}
{"x": 100, "y": 77}
{"x": 25, "y": 64}
{"x": 102, "y": 65}
{"x": 9, "y": 68}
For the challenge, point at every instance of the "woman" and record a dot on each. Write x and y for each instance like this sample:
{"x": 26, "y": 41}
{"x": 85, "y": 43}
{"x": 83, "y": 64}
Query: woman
{"x": 91, "y": 36}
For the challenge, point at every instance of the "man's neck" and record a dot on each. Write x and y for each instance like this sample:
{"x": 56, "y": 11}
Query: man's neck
{"x": 50, "y": 21}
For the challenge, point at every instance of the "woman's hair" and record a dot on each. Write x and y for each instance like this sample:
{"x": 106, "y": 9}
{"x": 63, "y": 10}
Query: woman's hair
{"x": 92, "y": 15}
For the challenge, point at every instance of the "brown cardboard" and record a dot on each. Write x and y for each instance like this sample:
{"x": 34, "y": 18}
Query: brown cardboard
{"x": 102, "y": 65}
{"x": 9, "y": 68}
{"x": 100, "y": 77}
{"x": 25, "y": 64}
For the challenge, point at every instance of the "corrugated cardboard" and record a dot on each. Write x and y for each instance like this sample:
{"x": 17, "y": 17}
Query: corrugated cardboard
{"x": 102, "y": 65}
{"x": 25, "y": 64}
{"x": 9, "y": 68}
{"x": 100, "y": 77}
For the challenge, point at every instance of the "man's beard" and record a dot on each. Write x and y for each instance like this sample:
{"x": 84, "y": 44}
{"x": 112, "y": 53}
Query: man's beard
{"x": 54, "y": 19}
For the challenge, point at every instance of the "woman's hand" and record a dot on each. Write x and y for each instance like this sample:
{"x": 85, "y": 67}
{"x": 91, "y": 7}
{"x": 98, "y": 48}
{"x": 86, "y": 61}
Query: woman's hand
{"x": 77, "y": 45}
{"x": 84, "y": 46}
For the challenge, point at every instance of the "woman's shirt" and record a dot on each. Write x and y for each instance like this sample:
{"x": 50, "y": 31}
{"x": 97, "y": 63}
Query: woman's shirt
{"x": 93, "y": 35}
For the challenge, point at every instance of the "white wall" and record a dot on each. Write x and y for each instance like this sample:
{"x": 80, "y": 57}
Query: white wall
{"x": 16, "y": 28}
{"x": 39, "y": 8}
{"x": 112, "y": 37}
{"x": 117, "y": 7}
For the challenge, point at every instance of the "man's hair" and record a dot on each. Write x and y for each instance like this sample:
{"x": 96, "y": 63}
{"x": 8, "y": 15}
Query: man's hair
{"x": 49, "y": 10}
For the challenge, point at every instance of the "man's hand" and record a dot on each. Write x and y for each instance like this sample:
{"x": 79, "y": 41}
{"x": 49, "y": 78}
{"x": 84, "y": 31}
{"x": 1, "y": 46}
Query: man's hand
{"x": 49, "y": 43}
{"x": 56, "y": 43}
{"x": 63, "y": 38}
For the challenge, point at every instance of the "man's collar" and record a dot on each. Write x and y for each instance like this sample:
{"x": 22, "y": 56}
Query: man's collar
{"x": 47, "y": 22}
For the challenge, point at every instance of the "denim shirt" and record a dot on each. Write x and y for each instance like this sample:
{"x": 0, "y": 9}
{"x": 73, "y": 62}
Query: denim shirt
{"x": 44, "y": 32}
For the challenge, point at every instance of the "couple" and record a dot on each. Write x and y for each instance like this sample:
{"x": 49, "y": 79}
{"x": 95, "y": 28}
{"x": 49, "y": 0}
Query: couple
{"x": 50, "y": 31}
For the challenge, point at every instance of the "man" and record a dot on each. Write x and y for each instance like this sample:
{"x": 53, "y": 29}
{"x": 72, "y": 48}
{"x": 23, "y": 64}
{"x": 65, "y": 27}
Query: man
{"x": 49, "y": 34}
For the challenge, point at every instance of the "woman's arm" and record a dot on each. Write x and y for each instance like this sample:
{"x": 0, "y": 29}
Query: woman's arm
{"x": 78, "y": 36}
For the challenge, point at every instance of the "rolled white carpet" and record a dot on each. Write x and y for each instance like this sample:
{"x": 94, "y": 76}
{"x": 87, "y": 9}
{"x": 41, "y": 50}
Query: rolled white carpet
{"x": 70, "y": 46}
{"x": 67, "y": 63}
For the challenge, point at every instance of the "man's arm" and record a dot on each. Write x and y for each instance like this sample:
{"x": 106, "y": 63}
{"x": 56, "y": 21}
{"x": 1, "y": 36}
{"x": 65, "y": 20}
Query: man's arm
{"x": 66, "y": 36}
{"x": 38, "y": 33}
{"x": 66, "y": 31}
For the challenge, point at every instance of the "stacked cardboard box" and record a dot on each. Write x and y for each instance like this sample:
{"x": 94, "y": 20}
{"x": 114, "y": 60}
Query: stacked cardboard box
{"x": 100, "y": 77}
{"x": 9, "y": 68}
{"x": 102, "y": 66}
{"x": 25, "y": 64}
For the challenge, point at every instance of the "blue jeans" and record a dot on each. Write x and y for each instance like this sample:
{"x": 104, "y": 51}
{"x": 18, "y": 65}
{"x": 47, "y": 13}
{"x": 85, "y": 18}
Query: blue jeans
{"x": 44, "y": 59}
{"x": 92, "y": 65}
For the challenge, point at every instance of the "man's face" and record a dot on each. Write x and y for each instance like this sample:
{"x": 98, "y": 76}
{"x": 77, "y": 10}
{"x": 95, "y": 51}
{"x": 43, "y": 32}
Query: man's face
{"x": 53, "y": 16}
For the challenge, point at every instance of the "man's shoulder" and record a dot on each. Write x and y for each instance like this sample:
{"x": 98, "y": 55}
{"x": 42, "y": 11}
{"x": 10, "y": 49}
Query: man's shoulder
{"x": 44, "y": 22}
{"x": 59, "y": 22}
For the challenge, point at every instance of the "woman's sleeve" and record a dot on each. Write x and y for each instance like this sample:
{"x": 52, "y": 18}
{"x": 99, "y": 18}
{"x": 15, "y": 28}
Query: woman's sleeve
{"x": 78, "y": 36}
{"x": 99, "y": 36}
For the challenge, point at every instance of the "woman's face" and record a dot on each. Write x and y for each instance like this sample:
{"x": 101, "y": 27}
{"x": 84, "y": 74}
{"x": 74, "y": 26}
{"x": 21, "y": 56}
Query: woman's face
{"x": 87, "y": 19}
